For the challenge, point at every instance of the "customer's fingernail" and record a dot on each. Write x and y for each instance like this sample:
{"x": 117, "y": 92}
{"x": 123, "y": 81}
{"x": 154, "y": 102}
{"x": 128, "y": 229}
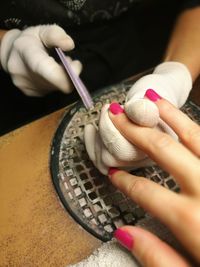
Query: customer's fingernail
{"x": 115, "y": 108}
{"x": 111, "y": 171}
{"x": 152, "y": 95}
{"x": 124, "y": 238}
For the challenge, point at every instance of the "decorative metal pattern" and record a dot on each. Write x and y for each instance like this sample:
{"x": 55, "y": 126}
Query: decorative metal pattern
{"x": 86, "y": 194}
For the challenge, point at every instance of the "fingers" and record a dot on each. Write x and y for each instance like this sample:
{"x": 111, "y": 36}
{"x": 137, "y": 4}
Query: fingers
{"x": 37, "y": 62}
{"x": 29, "y": 50}
{"x": 55, "y": 36}
{"x": 177, "y": 212}
{"x": 170, "y": 155}
{"x": 76, "y": 65}
{"x": 116, "y": 144}
{"x": 101, "y": 157}
{"x": 149, "y": 250}
{"x": 187, "y": 130}
{"x": 148, "y": 194}
{"x": 49, "y": 70}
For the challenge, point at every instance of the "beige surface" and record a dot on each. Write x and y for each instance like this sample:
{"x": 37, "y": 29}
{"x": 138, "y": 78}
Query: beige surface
{"x": 35, "y": 230}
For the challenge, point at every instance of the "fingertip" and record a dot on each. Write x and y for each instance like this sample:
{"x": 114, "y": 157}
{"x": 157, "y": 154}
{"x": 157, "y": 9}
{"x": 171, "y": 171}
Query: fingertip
{"x": 124, "y": 238}
{"x": 66, "y": 43}
{"x": 115, "y": 108}
{"x": 54, "y": 35}
{"x": 144, "y": 245}
{"x": 152, "y": 95}
{"x": 112, "y": 171}
{"x": 77, "y": 66}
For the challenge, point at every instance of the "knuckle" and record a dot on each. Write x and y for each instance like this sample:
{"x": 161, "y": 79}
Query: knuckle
{"x": 192, "y": 135}
{"x": 18, "y": 43}
{"x": 190, "y": 214}
{"x": 137, "y": 187}
{"x": 162, "y": 141}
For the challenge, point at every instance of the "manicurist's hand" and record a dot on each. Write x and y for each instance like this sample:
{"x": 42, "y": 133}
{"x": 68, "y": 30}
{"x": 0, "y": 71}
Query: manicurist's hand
{"x": 24, "y": 55}
{"x": 180, "y": 212}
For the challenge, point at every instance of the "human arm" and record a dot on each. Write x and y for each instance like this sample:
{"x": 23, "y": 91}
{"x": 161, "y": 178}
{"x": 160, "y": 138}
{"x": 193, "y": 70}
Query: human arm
{"x": 179, "y": 212}
{"x": 184, "y": 43}
{"x": 172, "y": 79}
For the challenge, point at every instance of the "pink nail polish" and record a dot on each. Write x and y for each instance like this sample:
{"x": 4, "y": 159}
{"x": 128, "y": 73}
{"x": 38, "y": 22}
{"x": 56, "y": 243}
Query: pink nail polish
{"x": 115, "y": 108}
{"x": 124, "y": 238}
{"x": 152, "y": 95}
{"x": 111, "y": 171}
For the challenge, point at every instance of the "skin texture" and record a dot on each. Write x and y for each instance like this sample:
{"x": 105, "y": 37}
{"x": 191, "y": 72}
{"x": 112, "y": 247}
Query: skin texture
{"x": 184, "y": 42}
{"x": 169, "y": 79}
{"x": 182, "y": 211}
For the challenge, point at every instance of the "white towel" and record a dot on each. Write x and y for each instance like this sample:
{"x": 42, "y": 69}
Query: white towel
{"x": 112, "y": 254}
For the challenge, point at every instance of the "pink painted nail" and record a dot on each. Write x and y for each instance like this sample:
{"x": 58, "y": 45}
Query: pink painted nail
{"x": 115, "y": 108}
{"x": 111, "y": 171}
{"x": 152, "y": 95}
{"x": 124, "y": 238}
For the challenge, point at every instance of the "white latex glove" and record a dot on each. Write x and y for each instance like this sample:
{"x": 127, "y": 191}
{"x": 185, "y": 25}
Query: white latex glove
{"x": 24, "y": 55}
{"x": 107, "y": 147}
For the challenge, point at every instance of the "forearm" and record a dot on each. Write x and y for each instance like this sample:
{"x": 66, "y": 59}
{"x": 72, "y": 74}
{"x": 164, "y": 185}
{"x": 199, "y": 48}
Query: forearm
{"x": 184, "y": 44}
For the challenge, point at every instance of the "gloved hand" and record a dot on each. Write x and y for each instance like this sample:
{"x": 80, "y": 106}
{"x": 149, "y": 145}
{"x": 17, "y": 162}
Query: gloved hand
{"x": 107, "y": 147}
{"x": 24, "y": 55}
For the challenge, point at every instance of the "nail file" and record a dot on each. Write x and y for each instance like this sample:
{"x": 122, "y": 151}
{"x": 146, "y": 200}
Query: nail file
{"x": 76, "y": 80}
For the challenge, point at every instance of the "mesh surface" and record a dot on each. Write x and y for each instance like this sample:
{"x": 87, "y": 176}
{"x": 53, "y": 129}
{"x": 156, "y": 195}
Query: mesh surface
{"x": 85, "y": 193}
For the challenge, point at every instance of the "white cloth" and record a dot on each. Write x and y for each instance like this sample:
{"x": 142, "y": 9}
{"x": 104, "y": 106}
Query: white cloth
{"x": 107, "y": 147}
{"x": 24, "y": 55}
{"x": 112, "y": 254}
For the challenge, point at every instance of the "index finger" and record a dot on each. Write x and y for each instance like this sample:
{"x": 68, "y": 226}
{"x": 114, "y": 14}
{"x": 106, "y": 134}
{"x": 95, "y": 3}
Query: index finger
{"x": 187, "y": 130}
{"x": 169, "y": 154}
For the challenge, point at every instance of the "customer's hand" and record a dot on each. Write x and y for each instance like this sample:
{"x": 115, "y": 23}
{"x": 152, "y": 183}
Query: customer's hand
{"x": 106, "y": 147}
{"x": 24, "y": 55}
{"x": 180, "y": 212}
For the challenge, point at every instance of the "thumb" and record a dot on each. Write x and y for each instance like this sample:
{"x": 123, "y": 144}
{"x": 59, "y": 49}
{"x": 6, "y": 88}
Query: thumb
{"x": 55, "y": 36}
{"x": 142, "y": 111}
{"x": 149, "y": 250}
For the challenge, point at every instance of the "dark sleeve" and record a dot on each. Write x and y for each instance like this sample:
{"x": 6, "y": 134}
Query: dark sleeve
{"x": 23, "y": 13}
{"x": 190, "y": 4}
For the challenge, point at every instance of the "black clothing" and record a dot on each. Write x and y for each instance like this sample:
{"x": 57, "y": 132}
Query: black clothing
{"x": 114, "y": 40}
{"x": 71, "y": 12}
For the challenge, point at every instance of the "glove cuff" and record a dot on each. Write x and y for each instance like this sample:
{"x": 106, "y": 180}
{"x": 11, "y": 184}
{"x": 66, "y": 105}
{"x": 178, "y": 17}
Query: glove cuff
{"x": 6, "y": 45}
{"x": 179, "y": 77}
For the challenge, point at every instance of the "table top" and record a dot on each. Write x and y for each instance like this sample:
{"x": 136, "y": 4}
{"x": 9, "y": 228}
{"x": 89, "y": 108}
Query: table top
{"x": 35, "y": 229}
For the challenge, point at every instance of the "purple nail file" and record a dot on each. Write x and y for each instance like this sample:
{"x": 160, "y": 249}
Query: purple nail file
{"x": 77, "y": 82}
